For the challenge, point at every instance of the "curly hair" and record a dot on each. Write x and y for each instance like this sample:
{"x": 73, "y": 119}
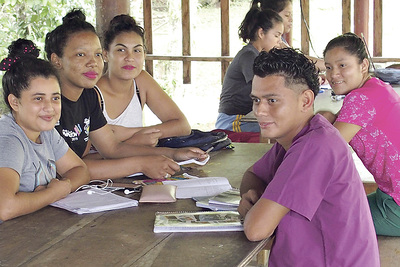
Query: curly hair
{"x": 119, "y": 24}
{"x": 296, "y": 68}
{"x": 22, "y": 66}
{"x": 73, "y": 22}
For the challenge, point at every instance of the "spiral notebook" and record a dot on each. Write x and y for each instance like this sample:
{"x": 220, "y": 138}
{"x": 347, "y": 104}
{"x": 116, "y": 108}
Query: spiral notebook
{"x": 93, "y": 200}
{"x": 197, "y": 221}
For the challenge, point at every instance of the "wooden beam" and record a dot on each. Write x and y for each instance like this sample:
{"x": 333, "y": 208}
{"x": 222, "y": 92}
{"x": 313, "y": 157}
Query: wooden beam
{"x": 305, "y": 43}
{"x": 189, "y": 58}
{"x": 224, "y": 36}
{"x": 148, "y": 28}
{"x": 377, "y": 28}
{"x": 361, "y": 18}
{"x": 346, "y": 16}
{"x": 186, "y": 40}
{"x": 107, "y": 9}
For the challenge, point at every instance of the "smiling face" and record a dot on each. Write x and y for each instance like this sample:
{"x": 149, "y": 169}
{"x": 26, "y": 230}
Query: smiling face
{"x": 126, "y": 56}
{"x": 38, "y": 108}
{"x": 280, "y": 111}
{"x": 344, "y": 71}
{"x": 82, "y": 64}
{"x": 287, "y": 16}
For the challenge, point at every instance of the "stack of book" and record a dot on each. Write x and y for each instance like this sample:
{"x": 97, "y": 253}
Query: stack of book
{"x": 228, "y": 201}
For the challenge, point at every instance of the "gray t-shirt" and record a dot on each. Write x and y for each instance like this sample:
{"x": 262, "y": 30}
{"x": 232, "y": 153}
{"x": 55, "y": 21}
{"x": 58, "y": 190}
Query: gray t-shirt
{"x": 35, "y": 163}
{"x": 235, "y": 96}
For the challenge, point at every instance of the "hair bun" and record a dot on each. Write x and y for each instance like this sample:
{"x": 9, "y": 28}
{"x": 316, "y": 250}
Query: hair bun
{"x": 23, "y": 47}
{"x": 18, "y": 49}
{"x": 74, "y": 15}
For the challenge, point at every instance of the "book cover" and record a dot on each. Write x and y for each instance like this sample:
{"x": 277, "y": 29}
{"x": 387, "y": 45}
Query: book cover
{"x": 201, "y": 187}
{"x": 228, "y": 198}
{"x": 197, "y": 221}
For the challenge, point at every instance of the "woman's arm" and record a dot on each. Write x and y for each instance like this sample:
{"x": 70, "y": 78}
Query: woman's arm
{"x": 71, "y": 167}
{"x": 347, "y": 130}
{"x": 155, "y": 167}
{"x": 174, "y": 122}
{"x": 14, "y": 203}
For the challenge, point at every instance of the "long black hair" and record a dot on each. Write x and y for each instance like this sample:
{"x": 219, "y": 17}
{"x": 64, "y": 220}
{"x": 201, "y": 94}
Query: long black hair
{"x": 256, "y": 19}
{"x": 119, "y": 24}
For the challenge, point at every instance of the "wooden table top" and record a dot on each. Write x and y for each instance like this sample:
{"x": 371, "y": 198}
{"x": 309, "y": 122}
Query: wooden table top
{"x": 52, "y": 236}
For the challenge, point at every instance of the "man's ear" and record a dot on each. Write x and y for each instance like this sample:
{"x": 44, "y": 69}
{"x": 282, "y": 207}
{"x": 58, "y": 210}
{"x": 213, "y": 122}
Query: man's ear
{"x": 56, "y": 61}
{"x": 13, "y": 101}
{"x": 307, "y": 100}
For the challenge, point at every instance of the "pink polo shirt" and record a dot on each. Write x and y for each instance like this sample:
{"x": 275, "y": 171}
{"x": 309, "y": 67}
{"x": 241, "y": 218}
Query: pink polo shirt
{"x": 376, "y": 108}
{"x": 329, "y": 222}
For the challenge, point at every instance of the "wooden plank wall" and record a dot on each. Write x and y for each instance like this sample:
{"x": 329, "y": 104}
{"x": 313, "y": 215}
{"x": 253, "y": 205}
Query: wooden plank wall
{"x": 225, "y": 57}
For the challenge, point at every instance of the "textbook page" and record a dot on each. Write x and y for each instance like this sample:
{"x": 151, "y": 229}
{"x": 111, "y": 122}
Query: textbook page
{"x": 201, "y": 187}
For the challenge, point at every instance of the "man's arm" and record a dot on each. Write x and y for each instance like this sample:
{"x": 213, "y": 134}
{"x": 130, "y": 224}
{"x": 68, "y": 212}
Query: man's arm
{"x": 262, "y": 216}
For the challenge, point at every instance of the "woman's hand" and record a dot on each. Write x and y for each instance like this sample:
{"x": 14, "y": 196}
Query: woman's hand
{"x": 186, "y": 153}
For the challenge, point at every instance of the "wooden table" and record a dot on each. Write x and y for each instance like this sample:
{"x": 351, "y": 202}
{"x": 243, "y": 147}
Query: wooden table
{"x": 55, "y": 237}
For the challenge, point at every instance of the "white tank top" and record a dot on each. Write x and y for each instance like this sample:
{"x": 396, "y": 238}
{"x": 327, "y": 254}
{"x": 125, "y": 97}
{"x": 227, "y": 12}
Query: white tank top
{"x": 131, "y": 116}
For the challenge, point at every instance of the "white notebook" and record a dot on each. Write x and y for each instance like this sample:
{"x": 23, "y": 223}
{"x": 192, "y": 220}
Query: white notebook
{"x": 93, "y": 200}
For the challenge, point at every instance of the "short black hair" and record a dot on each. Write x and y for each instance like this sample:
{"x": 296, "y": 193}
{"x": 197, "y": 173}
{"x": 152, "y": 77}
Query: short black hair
{"x": 289, "y": 63}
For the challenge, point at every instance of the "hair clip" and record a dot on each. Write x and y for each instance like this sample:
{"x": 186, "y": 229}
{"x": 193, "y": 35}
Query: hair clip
{"x": 6, "y": 63}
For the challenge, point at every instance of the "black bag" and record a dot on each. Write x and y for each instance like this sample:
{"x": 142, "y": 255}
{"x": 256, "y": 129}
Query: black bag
{"x": 197, "y": 138}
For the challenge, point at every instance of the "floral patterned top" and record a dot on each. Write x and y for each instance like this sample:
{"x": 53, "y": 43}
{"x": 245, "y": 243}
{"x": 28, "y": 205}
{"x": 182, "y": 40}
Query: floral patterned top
{"x": 376, "y": 108}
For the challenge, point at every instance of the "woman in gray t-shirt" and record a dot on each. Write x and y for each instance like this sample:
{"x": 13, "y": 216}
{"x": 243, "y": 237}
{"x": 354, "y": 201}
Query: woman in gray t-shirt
{"x": 32, "y": 152}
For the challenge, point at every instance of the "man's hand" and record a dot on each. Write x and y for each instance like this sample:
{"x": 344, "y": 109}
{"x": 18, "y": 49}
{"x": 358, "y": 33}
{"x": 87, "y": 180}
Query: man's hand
{"x": 247, "y": 202}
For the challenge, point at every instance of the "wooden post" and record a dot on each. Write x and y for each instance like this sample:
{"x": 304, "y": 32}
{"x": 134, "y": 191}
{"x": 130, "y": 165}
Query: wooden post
{"x": 305, "y": 43}
{"x": 224, "y": 36}
{"x": 361, "y": 17}
{"x": 377, "y": 28}
{"x": 186, "y": 40}
{"x": 148, "y": 34}
{"x": 346, "y": 16}
{"x": 107, "y": 9}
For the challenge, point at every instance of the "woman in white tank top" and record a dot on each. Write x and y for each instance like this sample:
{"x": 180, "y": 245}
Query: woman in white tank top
{"x": 125, "y": 88}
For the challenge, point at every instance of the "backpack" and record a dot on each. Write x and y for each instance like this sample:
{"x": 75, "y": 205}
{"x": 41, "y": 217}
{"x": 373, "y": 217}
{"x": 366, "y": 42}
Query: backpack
{"x": 197, "y": 138}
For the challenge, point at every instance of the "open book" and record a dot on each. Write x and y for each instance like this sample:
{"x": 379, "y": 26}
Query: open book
{"x": 200, "y": 221}
{"x": 93, "y": 200}
{"x": 200, "y": 187}
{"x": 228, "y": 200}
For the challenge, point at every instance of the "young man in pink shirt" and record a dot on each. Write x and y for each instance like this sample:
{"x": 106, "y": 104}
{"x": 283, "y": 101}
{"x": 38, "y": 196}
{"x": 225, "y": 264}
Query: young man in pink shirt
{"x": 306, "y": 189}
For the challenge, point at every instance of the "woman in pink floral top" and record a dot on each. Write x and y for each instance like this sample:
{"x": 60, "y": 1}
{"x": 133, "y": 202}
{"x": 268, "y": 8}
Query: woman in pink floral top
{"x": 369, "y": 122}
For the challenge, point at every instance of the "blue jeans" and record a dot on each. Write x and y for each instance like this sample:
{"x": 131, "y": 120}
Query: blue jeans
{"x": 233, "y": 123}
